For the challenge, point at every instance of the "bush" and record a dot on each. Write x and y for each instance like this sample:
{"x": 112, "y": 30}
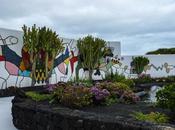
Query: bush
{"x": 129, "y": 97}
{"x": 120, "y": 91}
{"x": 105, "y": 93}
{"x": 154, "y": 117}
{"x": 38, "y": 97}
{"x": 166, "y": 97}
{"x": 143, "y": 78}
{"x": 78, "y": 81}
{"x": 110, "y": 100}
{"x": 99, "y": 94}
{"x": 119, "y": 78}
{"x": 128, "y": 82}
{"x": 73, "y": 96}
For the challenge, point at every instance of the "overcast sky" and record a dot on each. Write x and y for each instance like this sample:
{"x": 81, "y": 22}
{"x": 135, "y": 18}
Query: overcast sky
{"x": 140, "y": 25}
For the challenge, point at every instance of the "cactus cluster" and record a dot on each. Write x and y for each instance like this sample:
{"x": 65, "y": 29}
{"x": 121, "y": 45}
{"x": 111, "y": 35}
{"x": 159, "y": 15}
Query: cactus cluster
{"x": 43, "y": 45}
{"x": 91, "y": 50}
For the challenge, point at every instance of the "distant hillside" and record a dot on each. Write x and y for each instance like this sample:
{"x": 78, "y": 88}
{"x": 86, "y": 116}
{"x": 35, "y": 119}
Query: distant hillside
{"x": 162, "y": 51}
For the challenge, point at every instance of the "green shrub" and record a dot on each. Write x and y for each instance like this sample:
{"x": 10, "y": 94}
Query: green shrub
{"x": 113, "y": 86}
{"x": 121, "y": 86}
{"x": 117, "y": 77}
{"x": 120, "y": 90}
{"x": 143, "y": 79}
{"x": 154, "y": 117}
{"x": 166, "y": 97}
{"x": 85, "y": 82}
{"x": 120, "y": 78}
{"x": 73, "y": 96}
{"x": 110, "y": 100}
{"x": 38, "y": 97}
{"x": 128, "y": 82}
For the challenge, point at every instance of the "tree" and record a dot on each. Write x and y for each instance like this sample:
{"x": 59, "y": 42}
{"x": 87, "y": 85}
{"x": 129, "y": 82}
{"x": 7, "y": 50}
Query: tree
{"x": 139, "y": 63}
{"x": 43, "y": 45}
{"x": 162, "y": 51}
{"x": 91, "y": 50}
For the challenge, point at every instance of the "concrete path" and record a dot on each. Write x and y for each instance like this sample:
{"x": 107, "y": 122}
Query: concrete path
{"x": 5, "y": 114}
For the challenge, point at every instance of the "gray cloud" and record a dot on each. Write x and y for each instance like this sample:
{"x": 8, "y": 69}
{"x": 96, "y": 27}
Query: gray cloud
{"x": 140, "y": 25}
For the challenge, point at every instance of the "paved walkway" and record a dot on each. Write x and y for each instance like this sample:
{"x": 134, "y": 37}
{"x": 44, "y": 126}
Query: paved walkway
{"x": 5, "y": 114}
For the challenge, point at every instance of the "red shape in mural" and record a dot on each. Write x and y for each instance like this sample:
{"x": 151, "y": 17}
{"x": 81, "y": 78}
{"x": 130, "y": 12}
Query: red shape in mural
{"x": 72, "y": 61}
{"x": 2, "y": 58}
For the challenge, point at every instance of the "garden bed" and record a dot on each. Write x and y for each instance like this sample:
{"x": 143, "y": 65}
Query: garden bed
{"x": 30, "y": 115}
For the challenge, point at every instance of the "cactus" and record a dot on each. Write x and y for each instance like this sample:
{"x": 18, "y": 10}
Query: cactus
{"x": 138, "y": 64}
{"x": 42, "y": 43}
{"x": 91, "y": 50}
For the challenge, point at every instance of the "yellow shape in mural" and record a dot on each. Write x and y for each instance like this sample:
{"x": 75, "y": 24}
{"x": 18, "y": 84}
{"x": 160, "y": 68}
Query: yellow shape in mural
{"x": 66, "y": 61}
{"x": 40, "y": 75}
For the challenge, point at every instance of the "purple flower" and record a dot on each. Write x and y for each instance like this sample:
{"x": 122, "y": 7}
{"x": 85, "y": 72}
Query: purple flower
{"x": 94, "y": 90}
{"x": 99, "y": 94}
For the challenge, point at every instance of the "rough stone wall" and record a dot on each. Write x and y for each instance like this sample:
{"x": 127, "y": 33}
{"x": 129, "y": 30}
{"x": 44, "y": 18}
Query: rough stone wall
{"x": 29, "y": 116}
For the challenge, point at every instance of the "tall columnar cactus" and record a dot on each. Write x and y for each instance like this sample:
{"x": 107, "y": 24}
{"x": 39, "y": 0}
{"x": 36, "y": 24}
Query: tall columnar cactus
{"x": 91, "y": 50}
{"x": 43, "y": 46}
{"x": 31, "y": 41}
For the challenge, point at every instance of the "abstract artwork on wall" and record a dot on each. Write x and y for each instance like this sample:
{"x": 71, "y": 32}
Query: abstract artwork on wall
{"x": 19, "y": 66}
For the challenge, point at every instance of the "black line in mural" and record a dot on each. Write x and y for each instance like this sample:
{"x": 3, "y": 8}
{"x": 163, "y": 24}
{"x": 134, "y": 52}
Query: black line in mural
{"x": 14, "y": 64}
{"x": 9, "y": 40}
{"x": 8, "y": 56}
{"x": 2, "y": 82}
{"x": 21, "y": 81}
{"x": 165, "y": 66}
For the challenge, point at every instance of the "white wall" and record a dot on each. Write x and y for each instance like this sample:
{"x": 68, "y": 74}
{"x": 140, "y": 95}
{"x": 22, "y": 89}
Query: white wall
{"x": 159, "y": 66}
{"x": 116, "y": 47}
{"x": 6, "y": 79}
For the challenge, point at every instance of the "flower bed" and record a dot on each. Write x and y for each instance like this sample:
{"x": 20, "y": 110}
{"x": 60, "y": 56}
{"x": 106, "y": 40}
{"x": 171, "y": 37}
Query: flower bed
{"x": 104, "y": 93}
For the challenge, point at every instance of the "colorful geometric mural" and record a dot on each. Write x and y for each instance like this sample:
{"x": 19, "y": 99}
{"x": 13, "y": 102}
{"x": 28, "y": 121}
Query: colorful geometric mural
{"x": 19, "y": 66}
{"x": 15, "y": 66}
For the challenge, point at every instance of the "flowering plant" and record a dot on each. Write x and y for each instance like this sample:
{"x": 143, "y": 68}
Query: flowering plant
{"x": 99, "y": 94}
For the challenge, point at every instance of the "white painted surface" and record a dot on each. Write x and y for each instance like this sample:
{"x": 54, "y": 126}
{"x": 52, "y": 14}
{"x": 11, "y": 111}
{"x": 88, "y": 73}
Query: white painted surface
{"x": 57, "y": 75}
{"x": 5, "y": 114}
{"x": 163, "y": 62}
